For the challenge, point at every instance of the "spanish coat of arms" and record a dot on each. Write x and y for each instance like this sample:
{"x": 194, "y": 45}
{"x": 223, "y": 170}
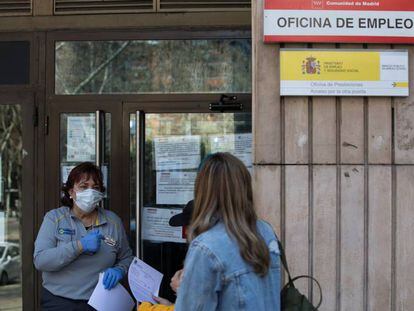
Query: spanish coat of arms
{"x": 311, "y": 66}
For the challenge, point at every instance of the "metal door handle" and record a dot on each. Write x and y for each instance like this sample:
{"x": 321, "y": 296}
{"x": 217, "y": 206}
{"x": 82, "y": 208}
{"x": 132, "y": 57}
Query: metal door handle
{"x": 99, "y": 137}
{"x": 139, "y": 182}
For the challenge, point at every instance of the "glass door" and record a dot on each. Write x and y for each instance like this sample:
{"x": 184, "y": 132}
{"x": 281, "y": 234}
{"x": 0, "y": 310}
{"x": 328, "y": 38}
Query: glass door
{"x": 151, "y": 151}
{"x": 16, "y": 201}
{"x": 82, "y": 132}
{"x": 166, "y": 150}
{"x": 85, "y": 137}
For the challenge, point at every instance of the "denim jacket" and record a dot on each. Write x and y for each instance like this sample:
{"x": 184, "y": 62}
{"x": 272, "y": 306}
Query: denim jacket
{"x": 217, "y": 278}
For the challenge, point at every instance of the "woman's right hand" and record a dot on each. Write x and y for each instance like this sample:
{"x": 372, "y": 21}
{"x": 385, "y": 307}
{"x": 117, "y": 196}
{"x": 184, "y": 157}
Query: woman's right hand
{"x": 91, "y": 242}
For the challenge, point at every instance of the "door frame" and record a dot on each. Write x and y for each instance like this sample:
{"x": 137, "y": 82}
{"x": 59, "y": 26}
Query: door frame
{"x": 53, "y": 148}
{"x": 148, "y": 102}
{"x": 120, "y": 106}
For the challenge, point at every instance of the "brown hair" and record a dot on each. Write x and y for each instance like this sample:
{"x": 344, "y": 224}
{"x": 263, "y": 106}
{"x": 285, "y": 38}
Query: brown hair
{"x": 84, "y": 170}
{"x": 223, "y": 190}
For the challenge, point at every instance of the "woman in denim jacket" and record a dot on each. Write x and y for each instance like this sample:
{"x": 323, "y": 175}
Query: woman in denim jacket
{"x": 233, "y": 259}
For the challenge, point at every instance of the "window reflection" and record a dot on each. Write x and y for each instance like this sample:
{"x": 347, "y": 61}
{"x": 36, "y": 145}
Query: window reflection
{"x": 153, "y": 66}
{"x": 11, "y": 156}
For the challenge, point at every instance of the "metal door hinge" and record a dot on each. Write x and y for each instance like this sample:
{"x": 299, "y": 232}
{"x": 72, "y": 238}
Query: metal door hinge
{"x": 36, "y": 117}
{"x": 47, "y": 125}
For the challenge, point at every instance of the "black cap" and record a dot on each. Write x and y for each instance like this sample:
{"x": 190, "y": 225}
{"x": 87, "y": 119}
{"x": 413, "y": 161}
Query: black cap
{"x": 183, "y": 219}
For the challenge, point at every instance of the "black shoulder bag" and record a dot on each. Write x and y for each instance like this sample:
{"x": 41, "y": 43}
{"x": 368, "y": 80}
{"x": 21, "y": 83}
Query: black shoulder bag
{"x": 290, "y": 297}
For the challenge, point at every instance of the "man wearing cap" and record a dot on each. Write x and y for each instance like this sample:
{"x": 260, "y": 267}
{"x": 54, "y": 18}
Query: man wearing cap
{"x": 183, "y": 219}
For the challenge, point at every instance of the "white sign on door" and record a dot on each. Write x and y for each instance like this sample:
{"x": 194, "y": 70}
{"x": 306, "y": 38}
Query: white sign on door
{"x": 155, "y": 226}
{"x": 177, "y": 152}
{"x": 80, "y": 139}
{"x": 239, "y": 145}
{"x": 175, "y": 187}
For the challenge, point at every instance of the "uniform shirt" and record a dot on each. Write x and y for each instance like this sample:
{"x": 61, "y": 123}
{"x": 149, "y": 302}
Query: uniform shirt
{"x": 68, "y": 273}
{"x": 217, "y": 278}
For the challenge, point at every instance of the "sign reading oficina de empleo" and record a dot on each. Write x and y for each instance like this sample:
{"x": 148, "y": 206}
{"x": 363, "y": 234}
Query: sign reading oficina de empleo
{"x": 311, "y": 72}
{"x": 370, "y": 21}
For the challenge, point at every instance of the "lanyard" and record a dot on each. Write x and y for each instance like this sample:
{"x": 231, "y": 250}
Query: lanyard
{"x": 107, "y": 239}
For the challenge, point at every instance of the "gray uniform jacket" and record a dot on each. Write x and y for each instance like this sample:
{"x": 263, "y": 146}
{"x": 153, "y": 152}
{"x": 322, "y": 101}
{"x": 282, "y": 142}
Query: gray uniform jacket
{"x": 65, "y": 271}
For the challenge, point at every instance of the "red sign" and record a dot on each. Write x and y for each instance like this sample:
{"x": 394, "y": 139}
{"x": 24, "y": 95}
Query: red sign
{"x": 371, "y": 21}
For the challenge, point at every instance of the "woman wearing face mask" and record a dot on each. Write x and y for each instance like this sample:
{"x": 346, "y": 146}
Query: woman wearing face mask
{"x": 79, "y": 240}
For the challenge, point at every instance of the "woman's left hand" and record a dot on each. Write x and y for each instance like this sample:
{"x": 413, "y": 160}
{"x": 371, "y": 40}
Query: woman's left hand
{"x": 111, "y": 277}
{"x": 176, "y": 280}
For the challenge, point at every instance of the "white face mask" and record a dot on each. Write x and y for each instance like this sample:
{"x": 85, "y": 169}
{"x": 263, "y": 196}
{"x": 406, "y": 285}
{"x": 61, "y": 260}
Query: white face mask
{"x": 88, "y": 199}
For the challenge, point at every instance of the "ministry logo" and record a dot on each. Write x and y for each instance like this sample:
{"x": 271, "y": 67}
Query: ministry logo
{"x": 311, "y": 66}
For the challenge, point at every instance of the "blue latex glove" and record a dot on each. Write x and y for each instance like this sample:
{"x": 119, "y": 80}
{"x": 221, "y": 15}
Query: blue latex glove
{"x": 91, "y": 242}
{"x": 111, "y": 277}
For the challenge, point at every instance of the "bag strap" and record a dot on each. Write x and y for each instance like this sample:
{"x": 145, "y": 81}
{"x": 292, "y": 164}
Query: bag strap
{"x": 283, "y": 259}
{"x": 291, "y": 281}
{"x": 314, "y": 280}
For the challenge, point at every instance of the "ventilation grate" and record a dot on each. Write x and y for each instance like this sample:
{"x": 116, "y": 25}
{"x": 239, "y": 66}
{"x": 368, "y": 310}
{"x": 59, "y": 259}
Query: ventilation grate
{"x": 15, "y": 7}
{"x": 198, "y": 5}
{"x": 72, "y": 7}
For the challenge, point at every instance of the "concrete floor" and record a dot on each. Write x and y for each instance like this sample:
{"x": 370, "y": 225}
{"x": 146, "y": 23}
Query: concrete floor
{"x": 11, "y": 297}
{"x": 11, "y": 294}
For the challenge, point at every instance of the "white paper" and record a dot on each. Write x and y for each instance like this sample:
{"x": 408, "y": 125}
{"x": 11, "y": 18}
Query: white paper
{"x": 144, "y": 281}
{"x": 66, "y": 169}
{"x": 239, "y": 145}
{"x": 175, "y": 187}
{"x": 177, "y": 152}
{"x": 104, "y": 170}
{"x": 80, "y": 138}
{"x": 155, "y": 226}
{"x": 117, "y": 298}
{"x": 243, "y": 148}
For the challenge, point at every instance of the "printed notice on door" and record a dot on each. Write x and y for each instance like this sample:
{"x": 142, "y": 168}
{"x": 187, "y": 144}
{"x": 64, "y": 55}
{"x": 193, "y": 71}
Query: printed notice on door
{"x": 66, "y": 169}
{"x": 177, "y": 152}
{"x": 80, "y": 139}
{"x": 175, "y": 187}
{"x": 156, "y": 227}
{"x": 239, "y": 145}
